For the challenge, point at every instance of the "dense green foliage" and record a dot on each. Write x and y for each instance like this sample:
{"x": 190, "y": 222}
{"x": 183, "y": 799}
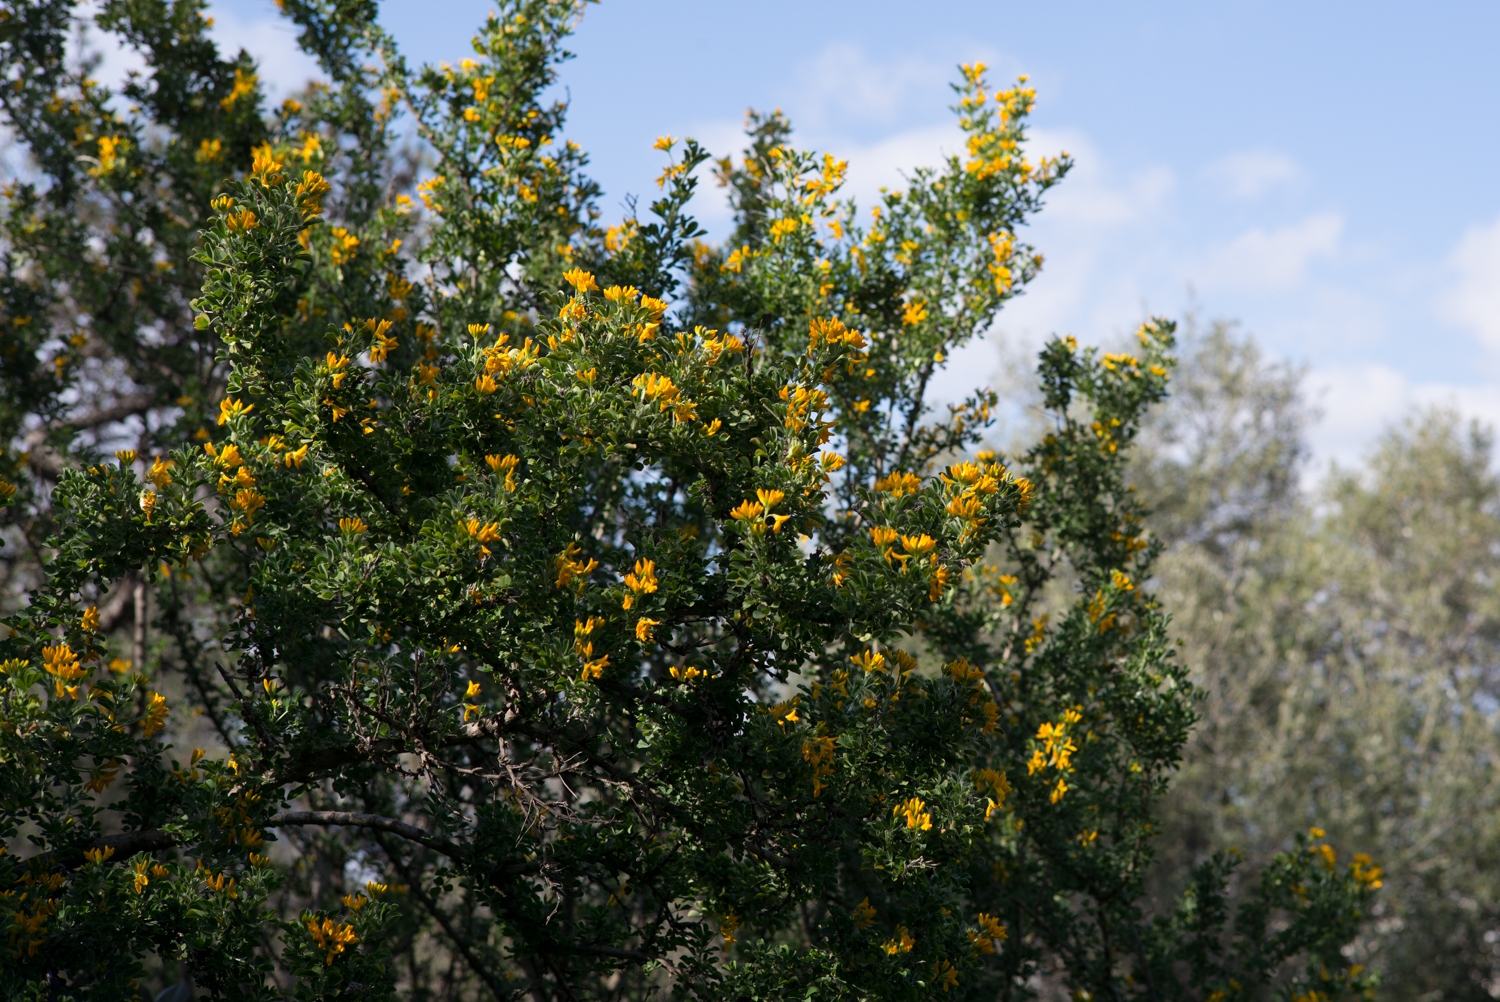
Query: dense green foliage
{"x": 576, "y": 612}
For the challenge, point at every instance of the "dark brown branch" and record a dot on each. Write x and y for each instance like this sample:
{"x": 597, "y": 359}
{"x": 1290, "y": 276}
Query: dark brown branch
{"x": 349, "y": 819}
{"x": 127, "y": 844}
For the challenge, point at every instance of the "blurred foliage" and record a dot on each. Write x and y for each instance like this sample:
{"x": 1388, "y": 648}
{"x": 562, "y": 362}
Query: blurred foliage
{"x": 1346, "y": 633}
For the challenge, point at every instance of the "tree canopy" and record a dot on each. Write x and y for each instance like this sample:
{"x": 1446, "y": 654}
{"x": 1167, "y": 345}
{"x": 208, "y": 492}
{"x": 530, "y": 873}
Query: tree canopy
{"x": 567, "y": 610}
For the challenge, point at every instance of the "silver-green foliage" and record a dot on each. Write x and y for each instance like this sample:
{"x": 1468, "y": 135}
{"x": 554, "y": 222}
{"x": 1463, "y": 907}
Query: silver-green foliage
{"x": 1346, "y": 632}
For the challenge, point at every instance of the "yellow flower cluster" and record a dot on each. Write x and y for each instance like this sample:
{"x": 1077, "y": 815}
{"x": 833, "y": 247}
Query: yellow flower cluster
{"x": 832, "y": 332}
{"x": 156, "y": 714}
{"x": 505, "y": 465}
{"x": 570, "y": 568}
{"x": 916, "y": 814}
{"x": 1056, "y": 751}
{"x": 989, "y": 930}
{"x": 751, "y": 511}
{"x": 1365, "y": 872}
{"x": 993, "y": 781}
{"x": 897, "y": 484}
{"x": 641, "y": 582}
{"x": 660, "y": 389}
{"x": 803, "y": 406}
{"x": 902, "y": 943}
{"x": 819, "y": 754}
{"x": 331, "y": 936}
{"x": 945, "y": 974}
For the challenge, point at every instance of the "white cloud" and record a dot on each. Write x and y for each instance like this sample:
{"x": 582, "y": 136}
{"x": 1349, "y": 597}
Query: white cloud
{"x": 1092, "y": 197}
{"x": 843, "y": 84}
{"x": 1274, "y": 260}
{"x": 271, "y": 41}
{"x": 1360, "y": 401}
{"x": 1251, "y": 173}
{"x": 1474, "y": 301}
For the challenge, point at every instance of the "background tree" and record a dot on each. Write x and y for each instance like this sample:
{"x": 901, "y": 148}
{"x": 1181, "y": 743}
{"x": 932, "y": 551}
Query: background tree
{"x": 586, "y": 612}
{"x": 1344, "y": 635}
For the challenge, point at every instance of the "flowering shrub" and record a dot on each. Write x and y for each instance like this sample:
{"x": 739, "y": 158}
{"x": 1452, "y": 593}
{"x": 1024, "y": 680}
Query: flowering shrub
{"x": 609, "y": 602}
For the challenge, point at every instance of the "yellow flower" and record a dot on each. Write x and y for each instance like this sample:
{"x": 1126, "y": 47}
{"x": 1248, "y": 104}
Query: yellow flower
{"x": 331, "y": 936}
{"x": 382, "y": 344}
{"x": 832, "y": 332}
{"x": 883, "y": 536}
{"x": 111, "y": 151}
{"x": 353, "y": 526}
{"x": 644, "y": 629}
{"x": 503, "y": 465}
{"x": 160, "y": 472}
{"x": 487, "y": 532}
{"x": 228, "y": 457}
{"x": 248, "y": 500}
{"x": 990, "y": 929}
{"x": 244, "y": 83}
{"x": 228, "y": 409}
{"x": 994, "y": 781}
{"x": 354, "y": 902}
{"x": 593, "y": 669}
{"x": 864, "y": 914}
{"x": 103, "y": 777}
{"x": 98, "y": 856}
{"x": 914, "y": 313}
{"x": 657, "y": 387}
{"x": 944, "y": 974}
{"x": 1364, "y": 872}
{"x": 916, "y": 814}
{"x": 901, "y": 944}
{"x": 1060, "y": 789}
{"x": 569, "y": 567}
{"x": 581, "y": 280}
{"x": 343, "y": 246}
{"x": 918, "y": 545}
{"x": 897, "y": 484}
{"x": 61, "y": 661}
{"x": 242, "y": 221}
{"x": 746, "y": 510}
{"x": 783, "y": 227}
{"x": 156, "y": 715}
{"x": 869, "y": 661}
{"x": 643, "y": 581}
{"x": 209, "y": 151}
{"x": 770, "y": 498}
{"x": 264, "y": 167}
{"x": 621, "y": 293}
{"x": 819, "y": 754}
{"x": 90, "y": 621}
{"x": 426, "y": 190}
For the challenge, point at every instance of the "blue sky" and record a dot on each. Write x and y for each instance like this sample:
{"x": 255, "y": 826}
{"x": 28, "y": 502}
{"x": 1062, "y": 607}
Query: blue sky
{"x": 1324, "y": 174}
